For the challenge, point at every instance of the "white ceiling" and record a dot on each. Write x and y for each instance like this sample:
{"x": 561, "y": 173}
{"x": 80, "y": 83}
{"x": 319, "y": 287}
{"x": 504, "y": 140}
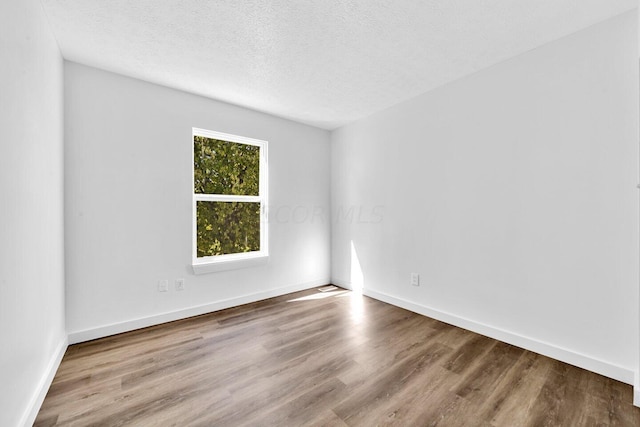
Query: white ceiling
{"x": 320, "y": 62}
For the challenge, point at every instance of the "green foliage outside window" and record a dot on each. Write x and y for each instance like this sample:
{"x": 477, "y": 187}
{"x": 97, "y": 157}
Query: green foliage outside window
{"x": 223, "y": 167}
{"x": 226, "y": 168}
{"x": 227, "y": 228}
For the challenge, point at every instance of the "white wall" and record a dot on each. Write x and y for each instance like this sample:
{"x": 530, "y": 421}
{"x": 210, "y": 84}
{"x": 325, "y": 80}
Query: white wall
{"x": 32, "y": 330}
{"x": 128, "y": 204}
{"x": 513, "y": 193}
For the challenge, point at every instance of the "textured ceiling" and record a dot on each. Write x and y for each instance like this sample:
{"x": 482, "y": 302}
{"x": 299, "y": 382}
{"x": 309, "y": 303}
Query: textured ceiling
{"x": 321, "y": 62}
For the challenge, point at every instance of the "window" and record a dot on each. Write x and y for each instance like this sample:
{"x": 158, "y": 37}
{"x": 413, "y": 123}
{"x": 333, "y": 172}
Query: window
{"x": 229, "y": 201}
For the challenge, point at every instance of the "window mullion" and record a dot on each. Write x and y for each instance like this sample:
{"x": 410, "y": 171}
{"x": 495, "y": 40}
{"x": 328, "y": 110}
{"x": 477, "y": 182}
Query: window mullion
{"x": 225, "y": 198}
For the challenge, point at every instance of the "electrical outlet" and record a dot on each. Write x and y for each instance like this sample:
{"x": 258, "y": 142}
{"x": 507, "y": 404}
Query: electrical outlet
{"x": 163, "y": 285}
{"x": 180, "y": 284}
{"x": 415, "y": 279}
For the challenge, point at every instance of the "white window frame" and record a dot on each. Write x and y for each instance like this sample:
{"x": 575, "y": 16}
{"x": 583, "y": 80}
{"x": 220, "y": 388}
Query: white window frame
{"x": 239, "y": 260}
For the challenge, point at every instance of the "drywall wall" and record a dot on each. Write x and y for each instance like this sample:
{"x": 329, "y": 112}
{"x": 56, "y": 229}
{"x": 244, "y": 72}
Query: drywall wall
{"x": 31, "y": 210}
{"x": 128, "y": 204}
{"x": 512, "y": 192}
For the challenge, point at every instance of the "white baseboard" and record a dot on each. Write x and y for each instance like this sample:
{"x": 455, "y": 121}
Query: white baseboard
{"x": 29, "y": 416}
{"x": 571, "y": 357}
{"x": 143, "y": 322}
{"x": 636, "y": 389}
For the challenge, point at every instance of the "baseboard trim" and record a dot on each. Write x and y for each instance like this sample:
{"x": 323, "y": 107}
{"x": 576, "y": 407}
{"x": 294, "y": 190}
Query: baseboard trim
{"x": 143, "y": 322}
{"x": 29, "y": 416}
{"x": 636, "y": 389}
{"x": 598, "y": 366}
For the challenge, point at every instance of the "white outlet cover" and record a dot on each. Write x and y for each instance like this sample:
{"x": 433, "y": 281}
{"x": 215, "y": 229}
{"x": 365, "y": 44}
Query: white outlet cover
{"x": 415, "y": 279}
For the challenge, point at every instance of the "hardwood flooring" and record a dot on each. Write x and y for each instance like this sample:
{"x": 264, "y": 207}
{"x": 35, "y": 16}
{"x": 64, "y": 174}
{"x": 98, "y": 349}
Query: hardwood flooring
{"x": 323, "y": 359}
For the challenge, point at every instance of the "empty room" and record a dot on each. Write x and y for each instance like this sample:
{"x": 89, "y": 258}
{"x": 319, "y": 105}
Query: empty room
{"x": 319, "y": 213}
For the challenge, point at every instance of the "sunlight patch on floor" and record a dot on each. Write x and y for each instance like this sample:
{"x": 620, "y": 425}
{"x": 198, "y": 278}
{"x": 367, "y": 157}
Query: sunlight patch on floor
{"x": 317, "y": 296}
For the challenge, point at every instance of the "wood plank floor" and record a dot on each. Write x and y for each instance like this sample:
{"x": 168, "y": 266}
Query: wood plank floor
{"x": 324, "y": 359}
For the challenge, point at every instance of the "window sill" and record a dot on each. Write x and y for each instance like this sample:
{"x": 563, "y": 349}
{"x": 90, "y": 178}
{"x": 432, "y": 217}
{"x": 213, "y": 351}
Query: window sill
{"x": 204, "y": 267}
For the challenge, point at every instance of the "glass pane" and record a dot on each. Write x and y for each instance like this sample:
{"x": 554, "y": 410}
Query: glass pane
{"x": 223, "y": 167}
{"x": 227, "y": 228}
